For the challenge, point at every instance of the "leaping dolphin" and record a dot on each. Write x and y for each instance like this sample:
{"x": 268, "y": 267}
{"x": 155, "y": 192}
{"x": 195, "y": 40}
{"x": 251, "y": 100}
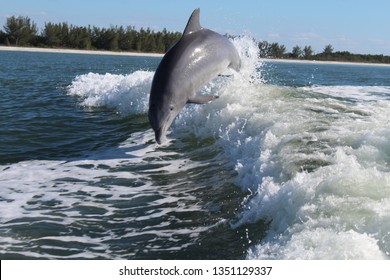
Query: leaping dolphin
{"x": 198, "y": 57}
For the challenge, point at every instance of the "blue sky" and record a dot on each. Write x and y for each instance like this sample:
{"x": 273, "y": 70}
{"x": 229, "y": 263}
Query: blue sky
{"x": 352, "y": 25}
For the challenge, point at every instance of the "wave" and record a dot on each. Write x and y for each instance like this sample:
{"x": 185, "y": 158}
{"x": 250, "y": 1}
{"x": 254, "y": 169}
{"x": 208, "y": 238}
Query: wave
{"x": 127, "y": 94}
{"x": 353, "y": 93}
{"x": 315, "y": 164}
{"x": 317, "y": 167}
{"x": 109, "y": 205}
{"x": 312, "y": 164}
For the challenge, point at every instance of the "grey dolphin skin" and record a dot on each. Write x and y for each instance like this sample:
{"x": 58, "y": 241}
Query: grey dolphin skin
{"x": 198, "y": 57}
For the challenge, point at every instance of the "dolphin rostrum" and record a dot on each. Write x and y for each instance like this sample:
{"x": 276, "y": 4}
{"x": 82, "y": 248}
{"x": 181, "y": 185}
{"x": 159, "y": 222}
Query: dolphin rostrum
{"x": 198, "y": 57}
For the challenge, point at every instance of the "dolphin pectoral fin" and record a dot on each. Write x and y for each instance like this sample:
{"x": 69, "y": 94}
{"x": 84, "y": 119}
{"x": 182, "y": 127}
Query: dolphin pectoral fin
{"x": 236, "y": 65}
{"x": 202, "y": 99}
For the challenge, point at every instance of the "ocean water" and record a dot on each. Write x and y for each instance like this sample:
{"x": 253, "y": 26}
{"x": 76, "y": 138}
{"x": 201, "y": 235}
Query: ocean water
{"x": 291, "y": 162}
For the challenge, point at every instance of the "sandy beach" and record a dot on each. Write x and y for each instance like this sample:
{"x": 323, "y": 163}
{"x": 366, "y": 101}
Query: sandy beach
{"x": 323, "y": 62}
{"x": 73, "y": 51}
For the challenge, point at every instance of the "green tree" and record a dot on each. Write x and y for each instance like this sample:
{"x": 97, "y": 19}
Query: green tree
{"x": 64, "y": 27}
{"x": 328, "y": 50}
{"x": 79, "y": 38}
{"x": 3, "y": 38}
{"x": 114, "y": 41}
{"x": 170, "y": 38}
{"x": 52, "y": 34}
{"x": 105, "y": 39}
{"x": 56, "y": 34}
{"x": 277, "y": 51}
{"x": 296, "y": 52}
{"x": 150, "y": 42}
{"x": 160, "y": 47}
{"x": 126, "y": 38}
{"x": 307, "y": 52}
{"x": 20, "y": 30}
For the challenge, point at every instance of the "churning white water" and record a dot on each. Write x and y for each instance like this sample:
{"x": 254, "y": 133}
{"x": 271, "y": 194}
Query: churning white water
{"x": 310, "y": 159}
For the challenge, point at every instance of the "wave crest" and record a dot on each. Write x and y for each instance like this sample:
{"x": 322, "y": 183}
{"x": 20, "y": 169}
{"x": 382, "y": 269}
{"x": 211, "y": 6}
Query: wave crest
{"x": 127, "y": 94}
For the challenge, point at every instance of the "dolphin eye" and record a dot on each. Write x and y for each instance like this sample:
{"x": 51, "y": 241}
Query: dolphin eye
{"x": 171, "y": 108}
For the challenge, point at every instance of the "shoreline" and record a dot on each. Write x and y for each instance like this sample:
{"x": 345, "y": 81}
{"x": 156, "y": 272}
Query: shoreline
{"x": 142, "y": 54}
{"x": 323, "y": 62}
{"x": 74, "y": 51}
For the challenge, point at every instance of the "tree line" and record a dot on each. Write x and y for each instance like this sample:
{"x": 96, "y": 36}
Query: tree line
{"x": 22, "y": 31}
{"x": 275, "y": 50}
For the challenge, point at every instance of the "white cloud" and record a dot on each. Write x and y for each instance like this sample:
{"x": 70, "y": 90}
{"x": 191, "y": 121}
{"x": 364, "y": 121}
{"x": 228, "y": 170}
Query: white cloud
{"x": 273, "y": 35}
{"x": 305, "y": 36}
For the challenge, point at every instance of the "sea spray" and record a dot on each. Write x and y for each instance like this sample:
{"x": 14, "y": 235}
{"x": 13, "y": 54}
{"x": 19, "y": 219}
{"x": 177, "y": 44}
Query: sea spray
{"x": 266, "y": 171}
{"x": 127, "y": 94}
{"x": 310, "y": 163}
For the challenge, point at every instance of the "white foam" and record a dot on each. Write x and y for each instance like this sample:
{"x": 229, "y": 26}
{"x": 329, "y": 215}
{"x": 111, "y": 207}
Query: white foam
{"x": 81, "y": 192}
{"x": 317, "y": 168}
{"x": 359, "y": 93}
{"x": 51, "y": 180}
{"x": 320, "y": 243}
{"x": 127, "y": 94}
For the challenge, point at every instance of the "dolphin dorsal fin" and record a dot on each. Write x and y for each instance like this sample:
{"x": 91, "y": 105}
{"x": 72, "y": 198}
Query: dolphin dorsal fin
{"x": 193, "y": 24}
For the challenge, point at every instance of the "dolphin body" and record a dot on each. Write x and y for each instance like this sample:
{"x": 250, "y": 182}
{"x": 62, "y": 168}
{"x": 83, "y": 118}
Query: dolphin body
{"x": 198, "y": 57}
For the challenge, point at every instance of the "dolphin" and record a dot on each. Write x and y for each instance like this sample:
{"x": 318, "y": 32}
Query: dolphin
{"x": 198, "y": 57}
